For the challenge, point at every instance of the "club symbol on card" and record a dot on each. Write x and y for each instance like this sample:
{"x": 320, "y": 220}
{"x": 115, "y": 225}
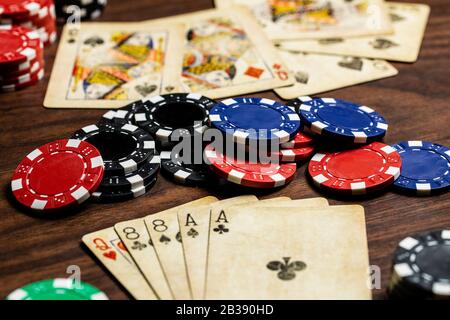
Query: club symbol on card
{"x": 221, "y": 229}
{"x": 353, "y": 63}
{"x": 286, "y": 270}
{"x": 110, "y": 255}
{"x": 178, "y": 237}
{"x": 192, "y": 233}
{"x": 164, "y": 239}
{"x": 381, "y": 44}
{"x": 137, "y": 245}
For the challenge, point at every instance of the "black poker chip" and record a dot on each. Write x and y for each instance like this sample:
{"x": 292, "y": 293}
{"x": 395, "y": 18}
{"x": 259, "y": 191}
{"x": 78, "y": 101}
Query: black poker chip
{"x": 124, "y": 148}
{"x": 122, "y": 116}
{"x": 421, "y": 267}
{"x": 87, "y": 9}
{"x": 133, "y": 180}
{"x": 172, "y": 115}
{"x": 119, "y": 196}
{"x": 184, "y": 172}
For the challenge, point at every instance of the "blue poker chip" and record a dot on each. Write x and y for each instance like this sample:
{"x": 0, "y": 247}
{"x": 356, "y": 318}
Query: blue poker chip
{"x": 339, "y": 119}
{"x": 249, "y": 119}
{"x": 425, "y": 167}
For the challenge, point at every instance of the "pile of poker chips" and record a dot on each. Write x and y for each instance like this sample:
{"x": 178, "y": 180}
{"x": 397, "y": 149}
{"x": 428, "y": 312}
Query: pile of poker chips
{"x": 21, "y": 58}
{"x": 57, "y": 289}
{"x": 86, "y": 9}
{"x": 38, "y": 15}
{"x": 421, "y": 267}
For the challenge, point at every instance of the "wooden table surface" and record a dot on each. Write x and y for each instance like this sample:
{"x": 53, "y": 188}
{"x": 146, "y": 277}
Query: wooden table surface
{"x": 416, "y": 103}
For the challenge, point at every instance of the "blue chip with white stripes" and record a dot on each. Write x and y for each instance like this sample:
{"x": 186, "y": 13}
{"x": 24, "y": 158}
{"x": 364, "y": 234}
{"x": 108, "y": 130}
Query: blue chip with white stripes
{"x": 425, "y": 167}
{"x": 340, "y": 120}
{"x": 247, "y": 119}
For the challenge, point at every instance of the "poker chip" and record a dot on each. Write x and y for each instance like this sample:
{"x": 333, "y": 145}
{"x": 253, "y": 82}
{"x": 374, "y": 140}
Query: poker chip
{"x": 19, "y": 44}
{"x": 294, "y": 154}
{"x": 250, "y": 174}
{"x": 170, "y": 115}
{"x": 34, "y": 68}
{"x": 124, "y": 148}
{"x": 86, "y": 9}
{"x": 339, "y": 119}
{"x": 20, "y": 7}
{"x": 57, "y": 289}
{"x": 133, "y": 180}
{"x": 123, "y": 115}
{"x": 192, "y": 174}
{"x": 25, "y": 78}
{"x": 300, "y": 140}
{"x": 246, "y": 119}
{"x": 425, "y": 167}
{"x": 21, "y": 85}
{"x": 420, "y": 267}
{"x": 118, "y": 196}
{"x": 58, "y": 174}
{"x": 356, "y": 171}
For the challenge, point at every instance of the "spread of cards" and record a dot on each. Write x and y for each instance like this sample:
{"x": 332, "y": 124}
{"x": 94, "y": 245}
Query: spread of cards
{"x": 176, "y": 89}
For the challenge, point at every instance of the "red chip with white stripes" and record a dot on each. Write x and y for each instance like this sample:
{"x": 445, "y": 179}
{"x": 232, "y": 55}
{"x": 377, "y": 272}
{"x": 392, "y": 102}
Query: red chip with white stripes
{"x": 250, "y": 174}
{"x": 300, "y": 140}
{"x": 58, "y": 174}
{"x": 357, "y": 171}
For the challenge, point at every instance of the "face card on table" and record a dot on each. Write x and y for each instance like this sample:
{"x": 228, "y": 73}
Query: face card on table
{"x": 110, "y": 251}
{"x": 166, "y": 238}
{"x": 300, "y": 253}
{"x": 226, "y": 53}
{"x": 317, "y": 18}
{"x": 317, "y": 73}
{"x": 108, "y": 65}
{"x": 194, "y": 230}
{"x": 409, "y": 22}
{"x": 136, "y": 239}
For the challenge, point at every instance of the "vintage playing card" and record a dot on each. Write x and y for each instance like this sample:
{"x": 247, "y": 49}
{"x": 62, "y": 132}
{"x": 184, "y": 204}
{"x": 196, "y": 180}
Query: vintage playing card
{"x": 107, "y": 65}
{"x": 107, "y": 247}
{"x": 166, "y": 238}
{"x": 227, "y": 53}
{"x": 316, "y": 73}
{"x": 409, "y": 22}
{"x": 314, "y": 19}
{"x": 302, "y": 203}
{"x": 194, "y": 227}
{"x": 293, "y": 253}
{"x": 136, "y": 239}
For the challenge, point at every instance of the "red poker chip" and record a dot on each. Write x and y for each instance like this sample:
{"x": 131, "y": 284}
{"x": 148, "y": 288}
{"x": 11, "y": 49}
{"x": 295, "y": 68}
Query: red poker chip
{"x": 58, "y": 174}
{"x": 250, "y": 174}
{"x": 21, "y": 7}
{"x": 36, "y": 74}
{"x": 22, "y": 67}
{"x": 294, "y": 154}
{"x": 19, "y": 44}
{"x": 300, "y": 140}
{"x": 358, "y": 171}
{"x": 35, "y": 66}
{"x": 20, "y": 86}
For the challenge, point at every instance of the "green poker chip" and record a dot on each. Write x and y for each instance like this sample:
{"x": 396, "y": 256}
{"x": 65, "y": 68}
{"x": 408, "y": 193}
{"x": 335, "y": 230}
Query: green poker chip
{"x": 57, "y": 289}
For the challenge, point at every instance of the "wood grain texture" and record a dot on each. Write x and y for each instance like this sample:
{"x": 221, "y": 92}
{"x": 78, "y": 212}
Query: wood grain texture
{"x": 416, "y": 104}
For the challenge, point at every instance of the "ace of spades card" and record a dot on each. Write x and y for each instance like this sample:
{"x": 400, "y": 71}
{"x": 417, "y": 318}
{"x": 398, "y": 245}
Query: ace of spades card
{"x": 108, "y": 65}
{"x": 300, "y": 253}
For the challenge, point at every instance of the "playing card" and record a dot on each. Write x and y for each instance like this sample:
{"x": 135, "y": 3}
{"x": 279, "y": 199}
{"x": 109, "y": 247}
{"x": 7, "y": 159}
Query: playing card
{"x": 272, "y": 203}
{"x": 136, "y": 239}
{"x": 317, "y": 18}
{"x": 317, "y": 73}
{"x": 409, "y": 22}
{"x": 166, "y": 239}
{"x": 194, "y": 227}
{"x": 291, "y": 253}
{"x": 110, "y": 251}
{"x": 227, "y": 54}
{"x": 108, "y": 65}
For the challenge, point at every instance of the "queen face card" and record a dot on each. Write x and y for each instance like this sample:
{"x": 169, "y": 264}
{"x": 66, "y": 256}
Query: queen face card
{"x": 227, "y": 53}
{"x": 409, "y": 21}
{"x": 107, "y": 65}
{"x": 316, "y": 19}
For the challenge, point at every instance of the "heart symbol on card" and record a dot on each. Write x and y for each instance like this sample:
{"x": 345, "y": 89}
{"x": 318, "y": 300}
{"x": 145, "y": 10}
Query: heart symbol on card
{"x": 111, "y": 255}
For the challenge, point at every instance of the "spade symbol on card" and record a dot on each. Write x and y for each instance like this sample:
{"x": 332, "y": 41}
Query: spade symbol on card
{"x": 110, "y": 255}
{"x": 381, "y": 44}
{"x": 353, "y": 63}
{"x": 286, "y": 270}
{"x": 164, "y": 239}
{"x": 221, "y": 229}
{"x": 178, "y": 237}
{"x": 192, "y": 233}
